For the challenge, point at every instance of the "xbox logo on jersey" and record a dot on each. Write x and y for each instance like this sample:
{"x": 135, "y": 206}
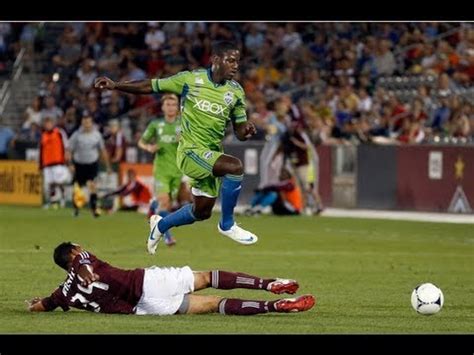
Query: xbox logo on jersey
{"x": 207, "y": 106}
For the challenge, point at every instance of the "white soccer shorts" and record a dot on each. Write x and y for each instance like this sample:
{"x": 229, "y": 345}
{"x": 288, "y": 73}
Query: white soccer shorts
{"x": 164, "y": 290}
{"x": 57, "y": 174}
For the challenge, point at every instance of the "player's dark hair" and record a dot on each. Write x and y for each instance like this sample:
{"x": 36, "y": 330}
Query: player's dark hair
{"x": 219, "y": 48}
{"x": 61, "y": 254}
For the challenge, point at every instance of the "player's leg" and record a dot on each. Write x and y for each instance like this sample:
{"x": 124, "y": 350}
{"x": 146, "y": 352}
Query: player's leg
{"x": 91, "y": 185}
{"x": 199, "y": 304}
{"x": 92, "y": 170}
{"x": 199, "y": 210}
{"x": 61, "y": 177}
{"x": 47, "y": 181}
{"x": 184, "y": 192}
{"x": 266, "y": 199}
{"x": 225, "y": 280}
{"x": 204, "y": 193}
{"x": 173, "y": 184}
{"x": 80, "y": 180}
{"x": 231, "y": 170}
{"x": 164, "y": 208}
{"x": 163, "y": 190}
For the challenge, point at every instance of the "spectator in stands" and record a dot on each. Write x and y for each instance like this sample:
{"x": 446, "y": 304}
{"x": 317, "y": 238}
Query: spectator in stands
{"x": 6, "y": 141}
{"x": 32, "y": 113}
{"x": 441, "y": 115}
{"x": 115, "y": 144}
{"x": 86, "y": 74}
{"x": 155, "y": 37}
{"x": 51, "y": 109}
{"x": 384, "y": 60}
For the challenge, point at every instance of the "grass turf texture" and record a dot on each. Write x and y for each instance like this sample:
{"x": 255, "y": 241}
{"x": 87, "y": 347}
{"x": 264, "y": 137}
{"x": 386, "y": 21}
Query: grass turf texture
{"x": 361, "y": 271}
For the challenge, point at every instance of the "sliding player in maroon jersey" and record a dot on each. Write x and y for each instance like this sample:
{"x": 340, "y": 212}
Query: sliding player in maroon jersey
{"x": 94, "y": 285}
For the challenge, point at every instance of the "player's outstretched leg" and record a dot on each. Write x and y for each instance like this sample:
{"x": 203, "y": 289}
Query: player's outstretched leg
{"x": 169, "y": 239}
{"x": 159, "y": 225}
{"x": 226, "y": 280}
{"x": 197, "y": 304}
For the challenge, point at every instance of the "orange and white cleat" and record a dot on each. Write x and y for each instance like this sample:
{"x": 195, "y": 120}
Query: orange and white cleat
{"x": 299, "y": 304}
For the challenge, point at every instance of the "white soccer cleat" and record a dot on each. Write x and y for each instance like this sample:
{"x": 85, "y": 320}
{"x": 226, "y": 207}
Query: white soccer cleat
{"x": 238, "y": 234}
{"x": 155, "y": 235}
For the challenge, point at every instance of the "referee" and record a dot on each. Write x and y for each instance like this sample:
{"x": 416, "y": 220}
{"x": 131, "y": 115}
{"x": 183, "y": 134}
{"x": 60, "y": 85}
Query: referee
{"x": 87, "y": 145}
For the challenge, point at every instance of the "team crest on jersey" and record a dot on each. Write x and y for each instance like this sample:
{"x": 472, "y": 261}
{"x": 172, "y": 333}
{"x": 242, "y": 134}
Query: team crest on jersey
{"x": 207, "y": 155}
{"x": 228, "y": 97}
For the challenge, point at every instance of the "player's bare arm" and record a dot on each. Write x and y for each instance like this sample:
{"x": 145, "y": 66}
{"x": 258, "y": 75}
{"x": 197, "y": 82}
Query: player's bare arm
{"x": 87, "y": 275}
{"x": 151, "y": 148}
{"x": 298, "y": 143}
{"x": 132, "y": 87}
{"x": 106, "y": 160}
{"x": 244, "y": 130}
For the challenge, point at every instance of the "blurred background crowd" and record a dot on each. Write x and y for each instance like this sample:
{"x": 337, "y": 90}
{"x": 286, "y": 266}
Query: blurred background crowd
{"x": 341, "y": 83}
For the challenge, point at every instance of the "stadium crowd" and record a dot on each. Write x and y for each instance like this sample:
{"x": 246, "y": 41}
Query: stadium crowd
{"x": 343, "y": 83}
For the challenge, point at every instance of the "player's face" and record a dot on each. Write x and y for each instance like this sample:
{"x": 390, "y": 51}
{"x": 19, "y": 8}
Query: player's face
{"x": 229, "y": 63}
{"x": 48, "y": 125}
{"x": 170, "y": 108}
{"x": 76, "y": 250}
{"x": 87, "y": 123}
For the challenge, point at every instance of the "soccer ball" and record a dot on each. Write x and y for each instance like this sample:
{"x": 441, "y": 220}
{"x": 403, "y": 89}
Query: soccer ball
{"x": 427, "y": 299}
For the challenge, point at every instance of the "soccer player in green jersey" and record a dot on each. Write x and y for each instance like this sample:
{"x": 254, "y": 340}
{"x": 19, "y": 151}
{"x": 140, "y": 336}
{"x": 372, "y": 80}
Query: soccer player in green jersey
{"x": 161, "y": 138}
{"x": 210, "y": 98}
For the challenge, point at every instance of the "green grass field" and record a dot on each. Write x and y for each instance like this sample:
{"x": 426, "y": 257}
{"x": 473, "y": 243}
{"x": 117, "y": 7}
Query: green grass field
{"x": 361, "y": 271}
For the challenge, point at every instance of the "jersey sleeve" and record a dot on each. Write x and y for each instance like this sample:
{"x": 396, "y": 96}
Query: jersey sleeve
{"x": 83, "y": 258}
{"x": 54, "y": 301}
{"x": 174, "y": 83}
{"x": 239, "y": 113}
{"x": 149, "y": 133}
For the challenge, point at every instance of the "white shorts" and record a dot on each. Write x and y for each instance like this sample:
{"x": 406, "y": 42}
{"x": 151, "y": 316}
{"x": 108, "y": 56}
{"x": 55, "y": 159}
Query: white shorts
{"x": 57, "y": 174}
{"x": 164, "y": 290}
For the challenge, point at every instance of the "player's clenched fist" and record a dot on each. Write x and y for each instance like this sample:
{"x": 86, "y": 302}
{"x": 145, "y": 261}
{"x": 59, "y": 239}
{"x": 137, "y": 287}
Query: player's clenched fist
{"x": 250, "y": 129}
{"x": 104, "y": 83}
{"x": 87, "y": 275}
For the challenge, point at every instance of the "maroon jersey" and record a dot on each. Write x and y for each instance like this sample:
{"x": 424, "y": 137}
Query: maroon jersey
{"x": 117, "y": 291}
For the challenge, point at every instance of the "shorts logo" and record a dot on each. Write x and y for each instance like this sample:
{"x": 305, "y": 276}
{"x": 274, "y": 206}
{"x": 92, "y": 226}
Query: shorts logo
{"x": 207, "y": 155}
{"x": 228, "y": 98}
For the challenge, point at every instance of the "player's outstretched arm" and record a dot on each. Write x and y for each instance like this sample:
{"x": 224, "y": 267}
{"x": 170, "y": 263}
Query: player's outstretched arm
{"x": 35, "y": 305}
{"x": 244, "y": 130}
{"x": 132, "y": 87}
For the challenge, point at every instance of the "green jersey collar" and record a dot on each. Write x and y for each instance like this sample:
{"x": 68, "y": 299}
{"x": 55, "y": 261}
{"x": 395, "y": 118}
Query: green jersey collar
{"x": 212, "y": 81}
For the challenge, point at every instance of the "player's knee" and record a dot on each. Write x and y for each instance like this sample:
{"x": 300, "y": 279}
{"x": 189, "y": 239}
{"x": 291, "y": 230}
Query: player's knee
{"x": 202, "y": 214}
{"x": 235, "y": 167}
{"x": 204, "y": 279}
